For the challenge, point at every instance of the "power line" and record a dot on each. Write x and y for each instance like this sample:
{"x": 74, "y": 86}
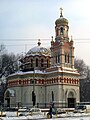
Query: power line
{"x": 35, "y": 44}
{"x": 23, "y": 39}
{"x": 83, "y": 42}
{"x": 80, "y": 41}
{"x": 29, "y": 39}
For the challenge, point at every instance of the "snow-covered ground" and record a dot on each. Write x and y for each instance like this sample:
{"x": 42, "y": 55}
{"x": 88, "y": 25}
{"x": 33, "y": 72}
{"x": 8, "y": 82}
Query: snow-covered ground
{"x": 39, "y": 117}
{"x": 73, "y": 118}
{"x": 35, "y": 118}
{"x": 42, "y": 116}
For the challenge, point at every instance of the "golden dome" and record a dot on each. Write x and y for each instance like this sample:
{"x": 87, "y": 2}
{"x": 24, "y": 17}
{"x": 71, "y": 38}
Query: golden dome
{"x": 61, "y": 21}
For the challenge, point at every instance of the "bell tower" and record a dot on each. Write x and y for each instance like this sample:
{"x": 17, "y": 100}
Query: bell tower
{"x": 61, "y": 27}
{"x": 62, "y": 50}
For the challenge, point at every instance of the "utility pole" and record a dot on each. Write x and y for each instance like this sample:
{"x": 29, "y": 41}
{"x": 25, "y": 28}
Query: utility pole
{"x": 33, "y": 92}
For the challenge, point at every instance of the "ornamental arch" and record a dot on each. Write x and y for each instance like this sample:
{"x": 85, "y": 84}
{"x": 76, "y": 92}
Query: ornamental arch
{"x": 9, "y": 97}
{"x": 70, "y": 97}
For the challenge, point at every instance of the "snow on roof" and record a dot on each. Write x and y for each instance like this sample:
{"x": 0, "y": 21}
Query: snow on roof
{"x": 37, "y": 54}
{"x": 23, "y": 73}
{"x": 64, "y": 69}
{"x": 38, "y": 50}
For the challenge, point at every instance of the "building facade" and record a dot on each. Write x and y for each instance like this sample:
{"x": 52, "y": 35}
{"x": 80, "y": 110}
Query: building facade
{"x": 50, "y": 74}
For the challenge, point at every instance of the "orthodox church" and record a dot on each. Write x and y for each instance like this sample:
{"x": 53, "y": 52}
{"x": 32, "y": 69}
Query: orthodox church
{"x": 46, "y": 75}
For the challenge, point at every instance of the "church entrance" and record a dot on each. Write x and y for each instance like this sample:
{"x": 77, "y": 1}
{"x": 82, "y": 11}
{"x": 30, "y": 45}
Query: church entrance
{"x": 8, "y": 102}
{"x": 71, "y": 100}
{"x": 7, "y": 98}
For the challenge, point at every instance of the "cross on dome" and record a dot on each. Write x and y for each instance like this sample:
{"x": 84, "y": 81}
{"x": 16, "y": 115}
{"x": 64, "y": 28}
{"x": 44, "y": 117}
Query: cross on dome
{"x": 39, "y": 43}
{"x": 61, "y": 12}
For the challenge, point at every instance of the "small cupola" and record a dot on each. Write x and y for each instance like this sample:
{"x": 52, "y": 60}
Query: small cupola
{"x": 61, "y": 27}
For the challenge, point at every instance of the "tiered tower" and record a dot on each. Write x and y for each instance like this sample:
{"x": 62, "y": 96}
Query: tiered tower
{"x": 62, "y": 49}
{"x": 62, "y": 74}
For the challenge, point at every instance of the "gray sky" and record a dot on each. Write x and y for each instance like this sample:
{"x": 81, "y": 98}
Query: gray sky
{"x": 35, "y": 19}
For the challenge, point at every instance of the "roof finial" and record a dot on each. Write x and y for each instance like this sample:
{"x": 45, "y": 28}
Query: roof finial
{"x": 61, "y": 12}
{"x": 52, "y": 38}
{"x": 71, "y": 37}
{"x": 39, "y": 43}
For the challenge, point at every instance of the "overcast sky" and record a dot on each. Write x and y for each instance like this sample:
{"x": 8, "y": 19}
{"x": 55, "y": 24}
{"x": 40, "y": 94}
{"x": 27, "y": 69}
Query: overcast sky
{"x": 35, "y": 19}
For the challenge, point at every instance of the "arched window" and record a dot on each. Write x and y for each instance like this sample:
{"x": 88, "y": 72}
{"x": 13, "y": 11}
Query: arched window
{"x": 47, "y": 63}
{"x": 42, "y": 61}
{"x": 61, "y": 30}
{"x": 36, "y": 62}
{"x": 56, "y": 32}
{"x": 52, "y": 96}
{"x": 65, "y": 58}
{"x": 58, "y": 58}
{"x": 19, "y": 81}
{"x": 68, "y": 58}
{"x": 31, "y": 62}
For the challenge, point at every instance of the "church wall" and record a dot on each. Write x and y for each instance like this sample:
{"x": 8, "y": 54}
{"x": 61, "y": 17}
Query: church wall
{"x": 24, "y": 95}
{"x": 18, "y": 94}
{"x": 57, "y": 93}
{"x": 40, "y": 94}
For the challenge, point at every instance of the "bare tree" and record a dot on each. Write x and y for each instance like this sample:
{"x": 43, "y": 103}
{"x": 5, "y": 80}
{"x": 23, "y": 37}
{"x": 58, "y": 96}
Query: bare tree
{"x": 84, "y": 71}
{"x": 81, "y": 67}
{"x": 8, "y": 62}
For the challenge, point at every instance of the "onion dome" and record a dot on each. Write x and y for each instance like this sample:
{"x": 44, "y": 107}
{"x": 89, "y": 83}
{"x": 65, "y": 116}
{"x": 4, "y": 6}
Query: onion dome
{"x": 61, "y": 20}
{"x": 38, "y": 50}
